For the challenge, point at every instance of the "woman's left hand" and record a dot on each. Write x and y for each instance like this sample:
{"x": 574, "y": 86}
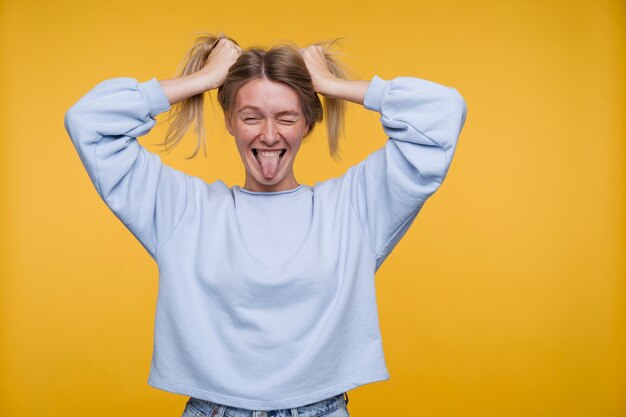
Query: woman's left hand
{"x": 326, "y": 83}
{"x": 316, "y": 63}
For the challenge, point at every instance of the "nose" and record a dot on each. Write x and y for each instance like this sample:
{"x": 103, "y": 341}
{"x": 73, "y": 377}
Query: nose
{"x": 270, "y": 133}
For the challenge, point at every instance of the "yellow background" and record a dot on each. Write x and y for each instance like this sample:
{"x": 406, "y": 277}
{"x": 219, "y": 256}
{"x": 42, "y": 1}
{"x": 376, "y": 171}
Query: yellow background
{"x": 505, "y": 298}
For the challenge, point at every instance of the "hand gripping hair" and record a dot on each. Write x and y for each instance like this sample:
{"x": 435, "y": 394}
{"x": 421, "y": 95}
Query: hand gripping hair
{"x": 281, "y": 63}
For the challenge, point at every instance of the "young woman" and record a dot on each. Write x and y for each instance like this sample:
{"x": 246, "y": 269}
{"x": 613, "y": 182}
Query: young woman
{"x": 266, "y": 302}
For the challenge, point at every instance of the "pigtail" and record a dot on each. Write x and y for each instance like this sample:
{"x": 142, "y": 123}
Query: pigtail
{"x": 334, "y": 108}
{"x": 191, "y": 109}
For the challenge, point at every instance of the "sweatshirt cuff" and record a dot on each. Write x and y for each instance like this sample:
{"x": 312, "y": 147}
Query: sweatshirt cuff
{"x": 154, "y": 95}
{"x": 375, "y": 93}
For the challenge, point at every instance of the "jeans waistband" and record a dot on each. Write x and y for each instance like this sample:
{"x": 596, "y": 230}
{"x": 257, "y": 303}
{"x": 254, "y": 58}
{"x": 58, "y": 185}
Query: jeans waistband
{"x": 319, "y": 408}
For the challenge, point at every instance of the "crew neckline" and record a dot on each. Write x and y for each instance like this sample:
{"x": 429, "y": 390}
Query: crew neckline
{"x": 293, "y": 190}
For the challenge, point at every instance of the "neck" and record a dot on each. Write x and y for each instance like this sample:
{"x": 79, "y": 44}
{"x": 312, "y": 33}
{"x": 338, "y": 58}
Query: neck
{"x": 287, "y": 183}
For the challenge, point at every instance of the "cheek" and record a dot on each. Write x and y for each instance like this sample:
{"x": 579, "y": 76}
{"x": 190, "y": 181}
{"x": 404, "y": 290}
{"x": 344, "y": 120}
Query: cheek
{"x": 296, "y": 133}
{"x": 296, "y": 141}
{"x": 245, "y": 135}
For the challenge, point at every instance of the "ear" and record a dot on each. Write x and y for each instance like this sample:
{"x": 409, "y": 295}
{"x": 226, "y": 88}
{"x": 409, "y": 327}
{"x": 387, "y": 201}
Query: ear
{"x": 306, "y": 129}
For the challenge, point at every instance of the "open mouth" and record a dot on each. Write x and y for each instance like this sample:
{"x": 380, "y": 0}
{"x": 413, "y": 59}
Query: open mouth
{"x": 269, "y": 160}
{"x": 279, "y": 152}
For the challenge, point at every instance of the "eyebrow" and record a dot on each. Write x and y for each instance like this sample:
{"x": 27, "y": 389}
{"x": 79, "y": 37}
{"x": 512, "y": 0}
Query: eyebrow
{"x": 286, "y": 112}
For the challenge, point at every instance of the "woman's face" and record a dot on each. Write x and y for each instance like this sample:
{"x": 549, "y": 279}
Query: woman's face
{"x": 268, "y": 126}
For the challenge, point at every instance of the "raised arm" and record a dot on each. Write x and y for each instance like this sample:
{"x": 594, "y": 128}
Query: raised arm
{"x": 148, "y": 196}
{"x": 423, "y": 121}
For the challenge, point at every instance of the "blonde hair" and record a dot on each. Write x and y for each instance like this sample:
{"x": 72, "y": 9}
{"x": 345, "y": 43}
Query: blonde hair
{"x": 281, "y": 63}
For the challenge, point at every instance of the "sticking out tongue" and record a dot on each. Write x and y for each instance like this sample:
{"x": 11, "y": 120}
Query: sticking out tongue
{"x": 268, "y": 163}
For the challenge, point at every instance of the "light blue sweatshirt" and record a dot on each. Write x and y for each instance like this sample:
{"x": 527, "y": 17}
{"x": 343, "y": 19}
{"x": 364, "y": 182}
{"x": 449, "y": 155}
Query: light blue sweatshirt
{"x": 266, "y": 300}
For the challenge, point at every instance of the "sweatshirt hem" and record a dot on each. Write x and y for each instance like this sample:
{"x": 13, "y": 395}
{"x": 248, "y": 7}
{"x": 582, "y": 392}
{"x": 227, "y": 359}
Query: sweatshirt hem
{"x": 292, "y": 402}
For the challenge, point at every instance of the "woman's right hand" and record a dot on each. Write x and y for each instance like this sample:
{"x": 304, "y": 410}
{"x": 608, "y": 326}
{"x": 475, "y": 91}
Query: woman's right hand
{"x": 221, "y": 58}
{"x": 211, "y": 76}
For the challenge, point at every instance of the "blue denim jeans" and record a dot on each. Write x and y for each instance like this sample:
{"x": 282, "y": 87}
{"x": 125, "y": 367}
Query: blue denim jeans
{"x": 331, "y": 407}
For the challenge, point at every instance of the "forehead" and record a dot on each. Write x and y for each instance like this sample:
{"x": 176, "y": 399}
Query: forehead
{"x": 270, "y": 96}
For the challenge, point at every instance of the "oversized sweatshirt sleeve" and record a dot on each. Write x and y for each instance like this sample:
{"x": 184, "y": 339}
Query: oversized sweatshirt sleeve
{"x": 423, "y": 121}
{"x": 148, "y": 196}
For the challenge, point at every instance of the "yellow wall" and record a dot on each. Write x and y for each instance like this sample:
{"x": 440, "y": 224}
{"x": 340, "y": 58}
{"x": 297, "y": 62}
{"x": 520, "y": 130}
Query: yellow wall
{"x": 505, "y": 298}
